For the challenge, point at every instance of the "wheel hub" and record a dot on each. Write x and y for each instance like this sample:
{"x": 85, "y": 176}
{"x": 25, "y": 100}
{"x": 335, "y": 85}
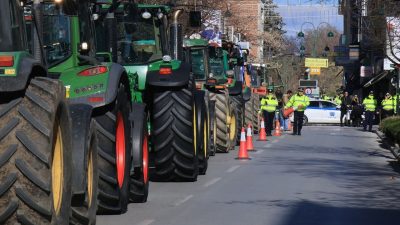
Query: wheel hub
{"x": 57, "y": 175}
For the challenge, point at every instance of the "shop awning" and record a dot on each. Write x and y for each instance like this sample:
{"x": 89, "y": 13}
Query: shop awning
{"x": 377, "y": 78}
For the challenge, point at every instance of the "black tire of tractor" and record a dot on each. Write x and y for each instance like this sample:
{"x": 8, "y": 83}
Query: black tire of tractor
{"x": 139, "y": 188}
{"x": 35, "y": 143}
{"x": 221, "y": 128}
{"x": 174, "y": 126}
{"x": 113, "y": 195}
{"x": 237, "y": 105}
{"x": 211, "y": 117}
{"x": 86, "y": 214}
{"x": 204, "y": 144}
{"x": 256, "y": 108}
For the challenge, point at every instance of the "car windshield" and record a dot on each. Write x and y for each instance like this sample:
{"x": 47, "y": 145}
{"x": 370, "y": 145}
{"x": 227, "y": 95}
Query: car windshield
{"x": 198, "y": 67}
{"x": 314, "y": 104}
{"x": 12, "y": 29}
{"x": 328, "y": 105}
{"x": 216, "y": 62}
{"x": 137, "y": 40}
{"x": 56, "y": 34}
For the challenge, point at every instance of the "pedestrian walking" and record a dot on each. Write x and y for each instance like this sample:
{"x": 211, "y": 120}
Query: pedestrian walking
{"x": 344, "y": 108}
{"x": 268, "y": 107}
{"x": 299, "y": 102}
{"x": 369, "y": 104}
{"x": 388, "y": 105}
{"x": 286, "y": 98}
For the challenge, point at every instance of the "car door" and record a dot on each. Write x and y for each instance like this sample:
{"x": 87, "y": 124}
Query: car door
{"x": 330, "y": 112}
{"x": 313, "y": 112}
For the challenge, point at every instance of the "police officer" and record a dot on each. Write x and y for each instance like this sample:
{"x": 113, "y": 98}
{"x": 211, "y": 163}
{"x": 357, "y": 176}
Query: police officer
{"x": 388, "y": 106}
{"x": 268, "y": 107}
{"x": 299, "y": 102}
{"x": 338, "y": 100}
{"x": 369, "y": 104}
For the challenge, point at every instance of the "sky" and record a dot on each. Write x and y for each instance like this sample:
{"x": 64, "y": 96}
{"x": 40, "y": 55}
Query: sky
{"x": 297, "y": 12}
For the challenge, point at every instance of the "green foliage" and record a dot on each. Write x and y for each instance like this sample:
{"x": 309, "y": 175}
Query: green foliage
{"x": 391, "y": 128}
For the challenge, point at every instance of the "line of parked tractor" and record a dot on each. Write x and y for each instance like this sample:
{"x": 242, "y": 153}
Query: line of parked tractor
{"x": 97, "y": 98}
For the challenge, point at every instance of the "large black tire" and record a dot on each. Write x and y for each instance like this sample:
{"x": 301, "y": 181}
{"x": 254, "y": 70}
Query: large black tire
{"x": 238, "y": 106}
{"x": 256, "y": 108}
{"x": 174, "y": 129}
{"x": 211, "y": 117}
{"x": 86, "y": 213}
{"x": 113, "y": 129}
{"x": 139, "y": 188}
{"x": 203, "y": 137}
{"x": 222, "y": 141}
{"x": 35, "y": 156}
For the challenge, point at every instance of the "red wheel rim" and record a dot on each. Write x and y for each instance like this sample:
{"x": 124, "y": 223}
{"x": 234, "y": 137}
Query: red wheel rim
{"x": 145, "y": 159}
{"x": 120, "y": 149}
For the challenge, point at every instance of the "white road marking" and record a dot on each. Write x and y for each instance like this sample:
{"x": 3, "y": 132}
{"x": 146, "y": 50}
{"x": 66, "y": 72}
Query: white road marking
{"x": 211, "y": 182}
{"x": 259, "y": 152}
{"x": 180, "y": 202}
{"x": 146, "y": 222}
{"x": 233, "y": 168}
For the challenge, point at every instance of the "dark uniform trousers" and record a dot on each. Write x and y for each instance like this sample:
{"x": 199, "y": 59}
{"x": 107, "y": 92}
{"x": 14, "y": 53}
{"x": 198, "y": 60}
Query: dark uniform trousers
{"x": 369, "y": 120}
{"x": 298, "y": 122}
{"x": 387, "y": 113}
{"x": 269, "y": 121}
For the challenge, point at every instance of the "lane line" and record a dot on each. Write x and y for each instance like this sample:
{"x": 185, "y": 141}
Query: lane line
{"x": 211, "y": 182}
{"x": 259, "y": 152}
{"x": 233, "y": 168}
{"x": 146, "y": 222}
{"x": 180, "y": 202}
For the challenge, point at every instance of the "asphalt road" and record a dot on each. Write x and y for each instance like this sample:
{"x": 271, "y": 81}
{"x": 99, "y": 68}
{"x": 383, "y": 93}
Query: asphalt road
{"x": 328, "y": 176}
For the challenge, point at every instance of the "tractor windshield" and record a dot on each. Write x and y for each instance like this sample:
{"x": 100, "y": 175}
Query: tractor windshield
{"x": 56, "y": 34}
{"x": 137, "y": 43}
{"x": 12, "y": 28}
{"x": 216, "y": 62}
{"x": 198, "y": 67}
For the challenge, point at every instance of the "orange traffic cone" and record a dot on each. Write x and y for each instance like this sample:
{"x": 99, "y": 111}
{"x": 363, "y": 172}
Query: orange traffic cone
{"x": 249, "y": 139}
{"x": 243, "y": 155}
{"x": 263, "y": 135}
{"x": 277, "y": 131}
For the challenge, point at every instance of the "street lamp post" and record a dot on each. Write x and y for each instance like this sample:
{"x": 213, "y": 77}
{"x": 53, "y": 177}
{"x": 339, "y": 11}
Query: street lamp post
{"x": 302, "y": 35}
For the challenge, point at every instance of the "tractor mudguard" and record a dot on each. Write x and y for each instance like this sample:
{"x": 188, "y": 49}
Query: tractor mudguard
{"x": 137, "y": 120}
{"x": 19, "y": 82}
{"x": 237, "y": 89}
{"x": 179, "y": 77}
{"x": 246, "y": 94}
{"x": 114, "y": 78}
{"x": 80, "y": 115}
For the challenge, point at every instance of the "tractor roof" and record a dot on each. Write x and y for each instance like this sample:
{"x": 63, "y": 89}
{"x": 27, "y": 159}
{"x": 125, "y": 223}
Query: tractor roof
{"x": 195, "y": 43}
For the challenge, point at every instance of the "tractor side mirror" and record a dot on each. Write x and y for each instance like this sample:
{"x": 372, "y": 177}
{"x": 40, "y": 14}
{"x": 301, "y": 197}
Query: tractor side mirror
{"x": 104, "y": 57}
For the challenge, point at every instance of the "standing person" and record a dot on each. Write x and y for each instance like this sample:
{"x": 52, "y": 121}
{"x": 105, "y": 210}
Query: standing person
{"x": 286, "y": 99}
{"x": 338, "y": 100}
{"x": 356, "y": 112}
{"x": 369, "y": 107}
{"x": 344, "y": 106}
{"x": 299, "y": 102}
{"x": 268, "y": 107}
{"x": 279, "y": 114}
{"x": 388, "y": 106}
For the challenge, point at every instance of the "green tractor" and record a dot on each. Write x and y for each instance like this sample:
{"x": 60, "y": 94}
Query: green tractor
{"x": 35, "y": 130}
{"x": 114, "y": 170}
{"x": 210, "y": 66}
{"x": 141, "y": 38}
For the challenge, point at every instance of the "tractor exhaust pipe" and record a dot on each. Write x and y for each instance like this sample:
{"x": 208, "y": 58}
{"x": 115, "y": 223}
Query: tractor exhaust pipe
{"x": 176, "y": 36}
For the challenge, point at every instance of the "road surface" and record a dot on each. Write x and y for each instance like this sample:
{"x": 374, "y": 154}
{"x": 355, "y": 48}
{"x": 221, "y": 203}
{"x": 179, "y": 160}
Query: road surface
{"x": 328, "y": 176}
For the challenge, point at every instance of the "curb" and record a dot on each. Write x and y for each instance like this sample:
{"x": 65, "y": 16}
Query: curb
{"x": 389, "y": 144}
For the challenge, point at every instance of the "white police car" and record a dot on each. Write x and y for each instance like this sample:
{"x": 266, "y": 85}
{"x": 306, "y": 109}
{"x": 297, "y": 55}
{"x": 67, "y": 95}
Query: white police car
{"x": 321, "y": 111}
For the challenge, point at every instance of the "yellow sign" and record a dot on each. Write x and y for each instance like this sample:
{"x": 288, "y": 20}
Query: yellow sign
{"x": 315, "y": 71}
{"x": 316, "y": 63}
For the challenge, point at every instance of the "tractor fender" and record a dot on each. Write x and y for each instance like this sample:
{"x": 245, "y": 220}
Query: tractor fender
{"x": 114, "y": 78}
{"x": 25, "y": 69}
{"x": 138, "y": 120}
{"x": 237, "y": 89}
{"x": 80, "y": 115}
{"x": 179, "y": 77}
